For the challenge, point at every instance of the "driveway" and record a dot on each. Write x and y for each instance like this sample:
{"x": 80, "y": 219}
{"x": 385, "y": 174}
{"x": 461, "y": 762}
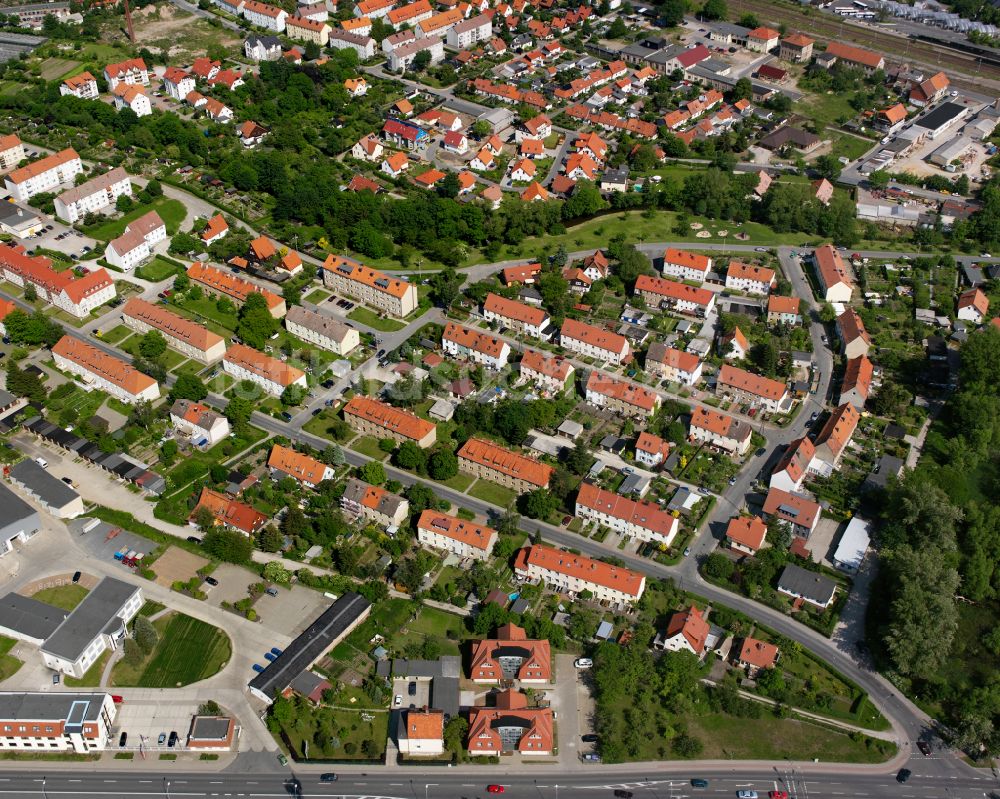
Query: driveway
{"x": 571, "y": 701}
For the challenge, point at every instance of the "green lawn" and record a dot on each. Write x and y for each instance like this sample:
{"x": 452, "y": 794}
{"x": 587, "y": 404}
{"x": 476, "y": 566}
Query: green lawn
{"x": 8, "y": 663}
{"x": 491, "y": 492}
{"x": 460, "y": 482}
{"x": 446, "y": 628}
{"x": 156, "y": 270}
{"x": 316, "y": 296}
{"x": 205, "y": 312}
{"x": 189, "y": 650}
{"x": 172, "y": 212}
{"x": 65, "y": 597}
{"x": 367, "y": 445}
{"x": 848, "y": 146}
{"x": 91, "y": 677}
{"x": 116, "y": 334}
{"x": 151, "y": 607}
{"x": 366, "y": 317}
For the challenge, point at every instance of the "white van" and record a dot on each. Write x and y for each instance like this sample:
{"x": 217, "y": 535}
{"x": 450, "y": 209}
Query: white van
{"x": 42, "y": 462}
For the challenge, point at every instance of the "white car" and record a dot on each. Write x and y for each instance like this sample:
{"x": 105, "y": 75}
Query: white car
{"x": 747, "y": 794}
{"x": 583, "y": 663}
{"x": 398, "y": 700}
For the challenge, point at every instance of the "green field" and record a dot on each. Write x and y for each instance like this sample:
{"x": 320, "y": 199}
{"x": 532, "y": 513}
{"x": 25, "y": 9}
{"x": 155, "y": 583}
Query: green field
{"x": 367, "y": 445}
{"x": 172, "y": 212}
{"x": 8, "y": 663}
{"x": 317, "y": 296}
{"x": 156, "y": 270}
{"x": 491, "y": 492}
{"x": 64, "y": 597}
{"x": 373, "y": 320}
{"x": 91, "y": 677}
{"x": 189, "y": 650}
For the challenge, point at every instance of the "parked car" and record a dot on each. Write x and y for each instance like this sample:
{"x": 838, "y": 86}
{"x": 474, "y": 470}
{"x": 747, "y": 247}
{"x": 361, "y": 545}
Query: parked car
{"x": 55, "y": 679}
{"x": 592, "y": 757}
{"x": 211, "y": 581}
{"x": 122, "y": 740}
{"x": 172, "y": 740}
{"x": 589, "y": 738}
{"x": 583, "y": 663}
{"x": 271, "y": 592}
{"x": 162, "y": 739}
{"x": 687, "y": 551}
{"x": 76, "y": 577}
{"x": 42, "y": 462}
{"x": 282, "y": 759}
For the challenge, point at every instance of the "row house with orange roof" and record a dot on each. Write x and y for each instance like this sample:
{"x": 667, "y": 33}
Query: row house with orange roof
{"x": 83, "y": 86}
{"x": 475, "y": 345}
{"x": 200, "y": 423}
{"x": 759, "y": 392}
{"x": 685, "y": 265}
{"x": 75, "y": 295}
{"x": 490, "y": 461}
{"x": 264, "y": 15}
{"x": 551, "y": 373}
{"x": 856, "y": 386}
{"x": 229, "y": 512}
{"x": 636, "y": 519}
{"x": 593, "y": 342}
{"x": 105, "y": 372}
{"x": 287, "y": 462}
{"x": 271, "y": 374}
{"x": 410, "y": 14}
{"x": 223, "y": 284}
{"x": 518, "y": 316}
{"x": 672, "y": 364}
{"x": 93, "y": 195}
{"x": 11, "y": 151}
{"x": 187, "y": 337}
{"x": 568, "y": 573}
{"x": 857, "y": 57}
{"x": 628, "y": 399}
{"x": 374, "y": 504}
{"x": 307, "y": 30}
{"x": 658, "y": 292}
{"x": 384, "y": 292}
{"x": 460, "y": 537}
{"x": 373, "y": 9}
{"x": 43, "y": 175}
{"x": 833, "y": 439}
{"x": 719, "y": 430}
{"x": 750, "y": 278}
{"x": 371, "y": 417}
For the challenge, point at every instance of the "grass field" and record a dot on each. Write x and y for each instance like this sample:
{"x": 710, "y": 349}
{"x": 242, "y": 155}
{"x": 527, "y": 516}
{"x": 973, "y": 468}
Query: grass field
{"x": 65, "y": 597}
{"x": 317, "y": 296}
{"x": 460, "y": 482}
{"x": 189, "y": 650}
{"x": 446, "y": 628}
{"x": 491, "y": 492}
{"x": 367, "y": 445}
{"x": 91, "y": 677}
{"x": 372, "y": 319}
{"x": 156, "y": 270}
{"x": 172, "y": 212}
{"x": 8, "y": 663}
{"x": 53, "y": 68}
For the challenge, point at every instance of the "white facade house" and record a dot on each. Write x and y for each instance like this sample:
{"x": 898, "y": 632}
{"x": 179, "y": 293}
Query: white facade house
{"x": 134, "y": 98}
{"x": 199, "y": 422}
{"x": 421, "y": 733}
{"x": 178, "y": 83}
{"x": 449, "y": 533}
{"x": 188, "y": 338}
{"x": 56, "y": 722}
{"x": 106, "y": 372}
{"x": 644, "y": 521}
{"x": 11, "y": 151}
{"x": 44, "y": 175}
{"x": 749, "y": 278}
{"x": 685, "y": 265}
{"x": 132, "y": 72}
{"x": 477, "y": 346}
{"x": 364, "y": 46}
{"x": 593, "y": 342}
{"x": 401, "y": 57}
{"x": 323, "y": 331}
{"x": 569, "y": 573}
{"x": 265, "y": 16}
{"x": 527, "y": 319}
{"x": 271, "y": 374}
{"x": 470, "y": 31}
{"x": 83, "y": 86}
{"x": 93, "y": 196}
{"x": 135, "y": 244}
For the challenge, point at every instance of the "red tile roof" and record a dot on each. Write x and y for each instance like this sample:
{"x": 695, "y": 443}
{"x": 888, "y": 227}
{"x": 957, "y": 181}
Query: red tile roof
{"x": 398, "y": 421}
{"x": 171, "y": 324}
{"x": 851, "y": 327}
{"x": 741, "y": 271}
{"x": 549, "y": 365}
{"x": 782, "y": 305}
{"x": 837, "y": 432}
{"x": 639, "y": 512}
{"x": 228, "y": 511}
{"x": 521, "y": 274}
{"x": 617, "y": 578}
{"x": 511, "y": 710}
{"x": 746, "y": 381}
{"x": 302, "y": 467}
{"x": 858, "y": 375}
{"x": 791, "y": 507}
{"x": 42, "y": 165}
{"x": 674, "y": 290}
{"x": 749, "y": 531}
{"x": 677, "y": 359}
{"x": 265, "y": 366}
{"x": 692, "y": 625}
{"x": 231, "y": 286}
{"x": 976, "y": 298}
{"x": 473, "y": 535}
{"x": 831, "y": 266}
{"x": 536, "y": 663}
{"x": 647, "y": 442}
{"x": 512, "y": 464}
{"x": 100, "y": 363}
{"x": 847, "y": 52}
{"x": 511, "y": 309}
{"x": 690, "y": 260}
{"x": 490, "y": 346}
{"x": 595, "y": 336}
{"x": 796, "y": 458}
{"x": 629, "y": 393}
{"x": 758, "y": 654}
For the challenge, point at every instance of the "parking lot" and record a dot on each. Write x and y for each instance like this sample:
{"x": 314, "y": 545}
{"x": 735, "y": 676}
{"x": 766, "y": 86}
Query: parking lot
{"x": 144, "y": 719}
{"x": 401, "y": 689}
{"x": 103, "y": 541}
{"x": 62, "y": 238}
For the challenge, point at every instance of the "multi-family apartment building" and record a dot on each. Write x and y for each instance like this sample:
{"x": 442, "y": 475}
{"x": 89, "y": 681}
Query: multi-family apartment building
{"x": 187, "y": 337}
{"x": 132, "y": 97}
{"x": 56, "y": 722}
{"x": 374, "y": 504}
{"x": 490, "y": 461}
{"x": 660, "y": 293}
{"x": 511, "y": 726}
{"x": 439, "y": 24}
{"x": 639, "y": 519}
{"x": 594, "y": 342}
{"x": 628, "y": 399}
{"x": 458, "y": 536}
{"x": 271, "y": 374}
{"x": 178, "y": 83}
{"x": 377, "y": 289}
{"x": 136, "y": 243}
{"x": 307, "y": 30}
{"x": 475, "y": 345}
{"x": 548, "y": 372}
{"x": 744, "y": 386}
{"x": 403, "y": 56}
{"x": 750, "y": 278}
{"x": 132, "y": 72}
{"x": 223, "y": 284}
{"x": 287, "y": 462}
{"x": 800, "y": 513}
{"x": 76, "y": 295}
{"x": 835, "y": 281}
{"x": 518, "y": 316}
{"x": 108, "y": 373}
{"x": 363, "y": 45}
{"x": 44, "y": 175}
{"x": 719, "y": 430}
{"x": 11, "y": 151}
{"x": 470, "y": 31}
{"x": 672, "y": 364}
{"x": 323, "y": 331}
{"x": 783, "y": 310}
{"x": 94, "y": 195}
{"x": 685, "y": 265}
{"x": 83, "y": 86}
{"x": 371, "y": 417}
{"x": 572, "y": 574}
{"x": 511, "y": 656}
{"x": 230, "y": 512}
{"x": 202, "y": 424}
{"x": 410, "y": 14}
{"x": 265, "y": 16}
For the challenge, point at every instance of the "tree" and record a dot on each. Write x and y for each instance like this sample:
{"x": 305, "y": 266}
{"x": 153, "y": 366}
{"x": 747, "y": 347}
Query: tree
{"x": 410, "y": 456}
{"x": 183, "y": 243}
{"x": 373, "y": 472}
{"x": 617, "y": 29}
{"x": 672, "y": 12}
{"x": 443, "y": 464}
{"x": 743, "y": 89}
{"x": 132, "y": 653}
{"x": 238, "y": 412}
{"x": 275, "y": 572}
{"x": 579, "y": 460}
{"x": 421, "y": 497}
{"x": 24, "y": 384}
{"x": 30, "y": 292}
{"x": 228, "y": 545}
{"x": 255, "y": 325}
{"x": 421, "y": 61}
{"x": 481, "y": 128}
{"x": 827, "y": 166}
{"x": 145, "y": 634}
{"x": 714, "y": 9}
{"x": 270, "y": 539}
{"x": 537, "y": 504}
{"x": 489, "y": 617}
{"x": 124, "y": 203}
{"x": 879, "y": 179}
{"x": 779, "y": 534}
{"x": 295, "y": 524}
{"x": 293, "y": 395}
{"x": 455, "y": 733}
{"x": 190, "y": 387}
{"x": 765, "y": 357}
{"x": 152, "y": 345}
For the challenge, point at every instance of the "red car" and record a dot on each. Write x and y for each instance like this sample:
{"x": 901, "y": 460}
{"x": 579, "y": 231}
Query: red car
{"x": 494, "y": 789}
{"x": 778, "y": 794}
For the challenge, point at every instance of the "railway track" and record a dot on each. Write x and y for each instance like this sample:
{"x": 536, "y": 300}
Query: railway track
{"x": 966, "y": 70}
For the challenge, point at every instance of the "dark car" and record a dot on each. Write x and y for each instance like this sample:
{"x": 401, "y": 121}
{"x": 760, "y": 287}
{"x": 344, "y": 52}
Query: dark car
{"x": 589, "y": 738}
{"x": 327, "y": 384}
{"x": 276, "y": 651}
{"x": 67, "y": 480}
{"x": 924, "y": 747}
{"x": 211, "y": 581}
{"x": 122, "y": 740}
{"x": 699, "y": 783}
{"x": 286, "y": 416}
{"x": 621, "y": 793}
{"x": 903, "y": 775}
{"x": 172, "y": 740}
{"x": 411, "y": 689}
{"x": 76, "y": 577}
{"x": 194, "y": 539}
{"x": 328, "y": 777}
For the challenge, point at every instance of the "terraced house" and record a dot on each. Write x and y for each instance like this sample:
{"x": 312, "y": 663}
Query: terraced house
{"x": 490, "y": 461}
{"x": 374, "y": 504}
{"x": 639, "y": 519}
{"x": 475, "y": 345}
{"x": 271, "y": 374}
{"x": 286, "y": 462}
{"x": 373, "y": 418}
{"x": 671, "y": 295}
{"x": 593, "y": 342}
{"x": 548, "y": 372}
{"x": 183, "y": 335}
{"x": 519, "y": 317}
{"x": 719, "y": 430}
{"x": 44, "y": 175}
{"x": 625, "y": 398}
{"x": 458, "y": 536}
{"x": 572, "y": 574}
{"x": 64, "y": 290}
{"x": 685, "y": 265}
{"x": 384, "y": 292}
{"x": 759, "y": 392}
{"x": 321, "y": 330}
{"x": 222, "y": 284}
{"x": 103, "y": 371}
{"x": 750, "y": 278}
{"x": 672, "y": 364}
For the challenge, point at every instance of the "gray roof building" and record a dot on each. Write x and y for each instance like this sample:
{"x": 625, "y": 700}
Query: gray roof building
{"x": 98, "y": 614}
{"x": 18, "y": 520}
{"x": 17, "y": 220}
{"x": 54, "y": 494}
{"x": 324, "y": 326}
{"x": 28, "y": 619}
{"x": 74, "y": 709}
{"x": 388, "y": 504}
{"x": 444, "y": 673}
{"x": 812, "y": 587}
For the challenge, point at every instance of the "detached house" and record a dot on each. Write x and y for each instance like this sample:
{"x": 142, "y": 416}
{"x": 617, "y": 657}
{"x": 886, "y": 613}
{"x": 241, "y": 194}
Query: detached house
{"x": 783, "y": 310}
{"x": 651, "y": 451}
{"x": 853, "y": 335}
{"x": 83, "y": 86}
{"x": 746, "y": 534}
{"x": 262, "y": 48}
{"x": 687, "y": 631}
{"x": 132, "y": 97}
{"x": 395, "y": 164}
{"x": 973, "y": 305}
{"x": 178, "y": 83}
{"x": 368, "y": 148}
{"x": 798, "y": 512}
